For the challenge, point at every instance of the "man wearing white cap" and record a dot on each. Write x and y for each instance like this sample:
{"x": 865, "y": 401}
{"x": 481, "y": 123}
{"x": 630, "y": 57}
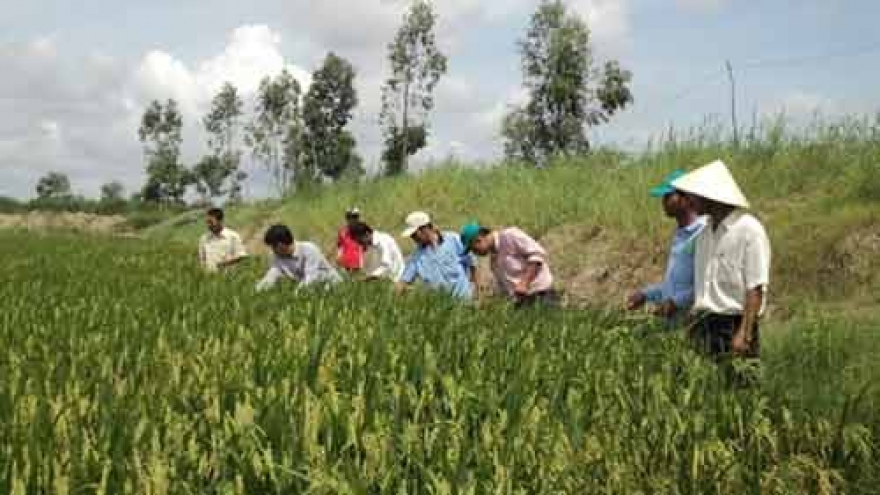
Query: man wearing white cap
{"x": 732, "y": 264}
{"x": 439, "y": 261}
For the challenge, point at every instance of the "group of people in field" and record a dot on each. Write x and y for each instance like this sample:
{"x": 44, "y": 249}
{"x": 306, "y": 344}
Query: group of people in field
{"x": 715, "y": 282}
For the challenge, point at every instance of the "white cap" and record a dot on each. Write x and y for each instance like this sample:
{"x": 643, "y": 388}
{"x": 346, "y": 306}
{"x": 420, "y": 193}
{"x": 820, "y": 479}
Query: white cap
{"x": 415, "y": 221}
{"x": 353, "y": 211}
{"x": 715, "y": 182}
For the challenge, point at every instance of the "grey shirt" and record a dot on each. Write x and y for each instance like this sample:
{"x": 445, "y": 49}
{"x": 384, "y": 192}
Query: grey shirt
{"x": 308, "y": 266}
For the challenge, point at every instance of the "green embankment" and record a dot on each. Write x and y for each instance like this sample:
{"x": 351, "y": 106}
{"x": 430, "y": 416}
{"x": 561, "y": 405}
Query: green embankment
{"x": 818, "y": 192}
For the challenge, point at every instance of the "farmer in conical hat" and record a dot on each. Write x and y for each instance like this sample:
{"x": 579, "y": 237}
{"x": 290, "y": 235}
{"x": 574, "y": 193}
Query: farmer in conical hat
{"x": 731, "y": 262}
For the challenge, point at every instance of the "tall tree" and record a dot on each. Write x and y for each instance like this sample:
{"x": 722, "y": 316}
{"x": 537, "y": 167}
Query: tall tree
{"x": 53, "y": 185}
{"x": 567, "y": 91}
{"x": 276, "y": 135}
{"x": 327, "y": 110}
{"x": 160, "y": 133}
{"x": 112, "y": 192}
{"x": 416, "y": 68}
{"x": 218, "y": 173}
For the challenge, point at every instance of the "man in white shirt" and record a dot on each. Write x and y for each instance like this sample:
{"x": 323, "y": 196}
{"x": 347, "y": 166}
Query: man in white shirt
{"x": 301, "y": 262}
{"x": 383, "y": 259}
{"x": 731, "y": 265}
{"x": 220, "y": 247}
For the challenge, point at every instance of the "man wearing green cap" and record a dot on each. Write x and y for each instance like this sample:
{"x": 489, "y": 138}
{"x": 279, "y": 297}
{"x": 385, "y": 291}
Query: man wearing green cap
{"x": 674, "y": 296}
{"x": 518, "y": 262}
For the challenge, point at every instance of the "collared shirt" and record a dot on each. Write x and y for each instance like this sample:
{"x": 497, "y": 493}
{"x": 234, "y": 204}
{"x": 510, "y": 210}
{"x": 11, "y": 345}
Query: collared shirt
{"x": 308, "y": 266}
{"x": 349, "y": 254}
{"x": 444, "y": 267}
{"x": 514, "y": 251}
{"x": 729, "y": 261}
{"x": 678, "y": 284}
{"x": 383, "y": 259}
{"x": 217, "y": 248}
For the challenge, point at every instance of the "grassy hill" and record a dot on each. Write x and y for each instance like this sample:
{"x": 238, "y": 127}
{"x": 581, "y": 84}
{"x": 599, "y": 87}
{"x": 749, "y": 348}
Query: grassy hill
{"x": 817, "y": 190}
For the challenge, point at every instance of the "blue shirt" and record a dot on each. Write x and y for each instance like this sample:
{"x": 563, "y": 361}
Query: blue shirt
{"x": 678, "y": 284}
{"x": 444, "y": 267}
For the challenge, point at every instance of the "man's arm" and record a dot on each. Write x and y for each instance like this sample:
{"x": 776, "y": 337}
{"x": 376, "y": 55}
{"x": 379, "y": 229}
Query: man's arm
{"x": 529, "y": 276}
{"x": 756, "y": 271}
{"x": 385, "y": 264}
{"x": 535, "y": 256}
{"x": 269, "y": 280}
{"x": 408, "y": 276}
{"x": 743, "y": 336}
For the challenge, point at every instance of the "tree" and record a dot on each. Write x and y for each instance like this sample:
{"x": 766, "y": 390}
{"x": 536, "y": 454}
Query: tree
{"x": 112, "y": 192}
{"x": 327, "y": 110}
{"x": 53, "y": 185}
{"x": 160, "y": 132}
{"x": 276, "y": 135}
{"x": 567, "y": 92}
{"x": 221, "y": 166}
{"x": 416, "y": 68}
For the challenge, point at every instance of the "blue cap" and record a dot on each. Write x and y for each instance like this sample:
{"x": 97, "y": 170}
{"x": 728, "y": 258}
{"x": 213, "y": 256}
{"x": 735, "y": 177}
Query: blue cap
{"x": 468, "y": 233}
{"x": 666, "y": 187}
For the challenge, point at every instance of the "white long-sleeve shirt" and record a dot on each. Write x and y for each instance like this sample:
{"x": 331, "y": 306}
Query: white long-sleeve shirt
{"x": 307, "y": 266}
{"x": 383, "y": 259}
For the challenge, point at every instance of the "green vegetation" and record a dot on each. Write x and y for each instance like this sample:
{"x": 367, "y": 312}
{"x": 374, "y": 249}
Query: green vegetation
{"x": 126, "y": 370}
{"x": 816, "y": 190}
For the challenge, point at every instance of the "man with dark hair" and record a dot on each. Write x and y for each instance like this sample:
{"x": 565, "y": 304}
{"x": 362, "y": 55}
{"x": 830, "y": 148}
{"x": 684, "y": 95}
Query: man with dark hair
{"x": 382, "y": 256}
{"x": 349, "y": 254}
{"x": 301, "y": 262}
{"x": 439, "y": 260}
{"x": 519, "y": 263}
{"x": 674, "y": 296}
{"x": 220, "y": 247}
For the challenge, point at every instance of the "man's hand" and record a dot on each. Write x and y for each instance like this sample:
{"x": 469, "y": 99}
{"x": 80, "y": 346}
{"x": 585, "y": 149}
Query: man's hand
{"x": 521, "y": 288}
{"x": 666, "y": 309}
{"x": 739, "y": 345}
{"x": 635, "y": 301}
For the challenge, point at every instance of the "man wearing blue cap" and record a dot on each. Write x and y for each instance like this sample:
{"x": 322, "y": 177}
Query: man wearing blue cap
{"x": 674, "y": 296}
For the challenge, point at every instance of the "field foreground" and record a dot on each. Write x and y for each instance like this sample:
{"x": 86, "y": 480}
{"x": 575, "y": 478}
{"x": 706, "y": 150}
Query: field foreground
{"x": 125, "y": 370}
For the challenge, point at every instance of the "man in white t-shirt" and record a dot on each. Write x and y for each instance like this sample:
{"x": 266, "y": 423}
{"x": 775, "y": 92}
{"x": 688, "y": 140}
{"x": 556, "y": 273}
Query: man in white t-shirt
{"x": 731, "y": 265}
{"x": 382, "y": 256}
{"x": 220, "y": 247}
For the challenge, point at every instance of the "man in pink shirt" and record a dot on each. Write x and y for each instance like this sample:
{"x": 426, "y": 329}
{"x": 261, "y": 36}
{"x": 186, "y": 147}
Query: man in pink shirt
{"x": 520, "y": 265}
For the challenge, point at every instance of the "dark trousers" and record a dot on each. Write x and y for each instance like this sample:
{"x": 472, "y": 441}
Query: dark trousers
{"x": 544, "y": 299}
{"x": 713, "y": 334}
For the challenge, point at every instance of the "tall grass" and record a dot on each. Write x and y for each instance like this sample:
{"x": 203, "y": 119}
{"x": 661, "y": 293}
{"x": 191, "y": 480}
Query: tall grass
{"x": 813, "y": 186}
{"x": 125, "y": 370}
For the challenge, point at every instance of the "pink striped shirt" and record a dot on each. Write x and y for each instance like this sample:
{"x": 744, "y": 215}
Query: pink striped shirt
{"x": 514, "y": 251}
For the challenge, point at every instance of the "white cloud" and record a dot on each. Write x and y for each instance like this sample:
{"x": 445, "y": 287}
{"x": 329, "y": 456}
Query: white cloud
{"x": 609, "y": 22}
{"x": 251, "y": 53}
{"x": 81, "y": 114}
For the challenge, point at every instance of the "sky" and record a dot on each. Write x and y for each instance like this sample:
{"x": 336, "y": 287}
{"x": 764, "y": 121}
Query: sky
{"x": 76, "y": 76}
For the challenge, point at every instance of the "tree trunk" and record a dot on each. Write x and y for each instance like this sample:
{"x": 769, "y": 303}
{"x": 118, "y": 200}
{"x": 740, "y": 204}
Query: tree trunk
{"x": 404, "y": 164}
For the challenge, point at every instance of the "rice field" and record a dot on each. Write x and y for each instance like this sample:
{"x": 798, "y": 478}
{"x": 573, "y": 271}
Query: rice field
{"x": 123, "y": 369}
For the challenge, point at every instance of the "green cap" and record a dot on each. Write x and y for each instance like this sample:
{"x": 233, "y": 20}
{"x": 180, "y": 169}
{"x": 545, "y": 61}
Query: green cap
{"x": 666, "y": 187}
{"x": 468, "y": 233}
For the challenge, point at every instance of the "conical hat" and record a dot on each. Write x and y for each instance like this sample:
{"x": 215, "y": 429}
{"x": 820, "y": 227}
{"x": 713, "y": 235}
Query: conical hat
{"x": 713, "y": 181}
